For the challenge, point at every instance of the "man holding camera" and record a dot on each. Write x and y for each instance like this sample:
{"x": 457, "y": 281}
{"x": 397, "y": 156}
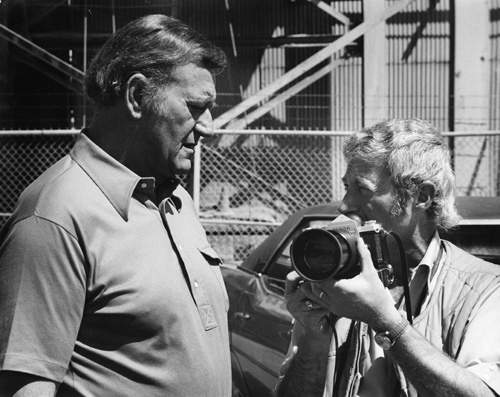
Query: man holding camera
{"x": 352, "y": 336}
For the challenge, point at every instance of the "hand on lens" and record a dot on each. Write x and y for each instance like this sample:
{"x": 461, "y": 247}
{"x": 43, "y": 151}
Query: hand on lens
{"x": 362, "y": 297}
{"x": 305, "y": 306}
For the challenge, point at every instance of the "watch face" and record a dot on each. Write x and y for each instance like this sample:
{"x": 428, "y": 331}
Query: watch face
{"x": 383, "y": 341}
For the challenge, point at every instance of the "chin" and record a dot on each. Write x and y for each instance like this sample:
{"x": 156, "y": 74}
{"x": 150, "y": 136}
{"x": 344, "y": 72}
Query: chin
{"x": 181, "y": 166}
{"x": 183, "y": 170}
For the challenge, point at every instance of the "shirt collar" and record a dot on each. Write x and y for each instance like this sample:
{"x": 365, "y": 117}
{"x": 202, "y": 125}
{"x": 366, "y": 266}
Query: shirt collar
{"x": 422, "y": 278}
{"x": 431, "y": 256}
{"x": 147, "y": 190}
{"x": 117, "y": 182}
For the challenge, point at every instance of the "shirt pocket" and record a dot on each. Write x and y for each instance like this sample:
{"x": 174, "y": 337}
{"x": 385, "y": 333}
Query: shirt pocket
{"x": 214, "y": 261}
{"x": 210, "y": 256}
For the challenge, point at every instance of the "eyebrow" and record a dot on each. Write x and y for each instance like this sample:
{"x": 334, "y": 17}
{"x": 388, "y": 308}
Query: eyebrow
{"x": 366, "y": 184}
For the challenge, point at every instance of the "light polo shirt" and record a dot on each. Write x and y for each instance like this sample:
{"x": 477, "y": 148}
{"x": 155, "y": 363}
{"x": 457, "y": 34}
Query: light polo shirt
{"x": 108, "y": 293}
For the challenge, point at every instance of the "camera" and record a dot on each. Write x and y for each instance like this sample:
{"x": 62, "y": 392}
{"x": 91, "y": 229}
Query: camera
{"x": 331, "y": 252}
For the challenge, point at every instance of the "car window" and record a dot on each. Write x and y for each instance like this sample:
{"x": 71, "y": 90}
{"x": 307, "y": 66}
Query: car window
{"x": 282, "y": 264}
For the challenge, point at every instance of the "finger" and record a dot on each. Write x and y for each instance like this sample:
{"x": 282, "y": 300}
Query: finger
{"x": 318, "y": 291}
{"x": 310, "y": 290}
{"x": 365, "y": 256}
{"x": 293, "y": 281}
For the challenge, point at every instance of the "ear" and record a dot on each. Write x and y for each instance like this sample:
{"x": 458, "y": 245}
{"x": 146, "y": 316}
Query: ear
{"x": 134, "y": 94}
{"x": 425, "y": 196}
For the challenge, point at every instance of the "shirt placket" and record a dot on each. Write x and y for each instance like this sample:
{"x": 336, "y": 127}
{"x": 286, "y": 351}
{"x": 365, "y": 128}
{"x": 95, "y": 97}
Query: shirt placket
{"x": 188, "y": 258}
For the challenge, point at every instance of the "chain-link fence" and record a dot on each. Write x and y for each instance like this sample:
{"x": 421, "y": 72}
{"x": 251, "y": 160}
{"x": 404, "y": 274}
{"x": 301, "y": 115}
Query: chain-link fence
{"x": 250, "y": 181}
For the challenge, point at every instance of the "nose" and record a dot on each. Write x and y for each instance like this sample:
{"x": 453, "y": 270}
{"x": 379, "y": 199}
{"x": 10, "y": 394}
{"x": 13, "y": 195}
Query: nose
{"x": 348, "y": 204}
{"x": 204, "y": 126}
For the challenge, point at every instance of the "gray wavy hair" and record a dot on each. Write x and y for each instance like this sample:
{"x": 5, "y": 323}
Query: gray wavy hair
{"x": 152, "y": 45}
{"x": 413, "y": 151}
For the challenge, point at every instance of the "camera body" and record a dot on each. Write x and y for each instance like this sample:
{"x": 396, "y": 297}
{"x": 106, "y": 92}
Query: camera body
{"x": 331, "y": 252}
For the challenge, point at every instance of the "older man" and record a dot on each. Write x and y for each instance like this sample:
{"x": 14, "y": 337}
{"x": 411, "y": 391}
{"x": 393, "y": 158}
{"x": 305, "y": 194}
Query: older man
{"x": 108, "y": 286}
{"x": 352, "y": 337}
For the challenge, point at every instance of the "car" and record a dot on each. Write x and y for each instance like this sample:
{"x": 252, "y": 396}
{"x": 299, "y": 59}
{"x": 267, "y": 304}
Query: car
{"x": 260, "y": 325}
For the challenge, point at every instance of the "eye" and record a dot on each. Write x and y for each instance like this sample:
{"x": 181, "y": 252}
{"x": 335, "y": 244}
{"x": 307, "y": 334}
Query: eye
{"x": 197, "y": 108}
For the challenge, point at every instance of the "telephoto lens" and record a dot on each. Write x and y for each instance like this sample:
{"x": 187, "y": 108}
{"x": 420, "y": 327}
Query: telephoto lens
{"x": 331, "y": 252}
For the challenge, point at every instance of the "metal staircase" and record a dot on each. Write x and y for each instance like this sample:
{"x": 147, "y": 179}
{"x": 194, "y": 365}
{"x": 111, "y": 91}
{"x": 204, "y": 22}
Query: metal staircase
{"x": 41, "y": 59}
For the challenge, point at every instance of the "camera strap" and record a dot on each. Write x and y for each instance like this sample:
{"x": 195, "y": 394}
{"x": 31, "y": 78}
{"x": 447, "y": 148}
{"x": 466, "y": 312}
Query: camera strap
{"x": 422, "y": 294}
{"x": 405, "y": 273}
{"x": 406, "y": 288}
{"x": 425, "y": 288}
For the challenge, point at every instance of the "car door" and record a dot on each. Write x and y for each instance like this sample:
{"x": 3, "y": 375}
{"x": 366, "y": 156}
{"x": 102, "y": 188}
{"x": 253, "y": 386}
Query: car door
{"x": 261, "y": 327}
{"x": 261, "y": 332}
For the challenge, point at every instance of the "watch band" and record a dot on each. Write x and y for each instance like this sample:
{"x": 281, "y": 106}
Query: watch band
{"x": 387, "y": 339}
{"x": 398, "y": 330}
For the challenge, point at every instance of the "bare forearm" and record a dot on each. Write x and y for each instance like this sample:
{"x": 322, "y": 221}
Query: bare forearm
{"x": 431, "y": 372}
{"x": 306, "y": 374}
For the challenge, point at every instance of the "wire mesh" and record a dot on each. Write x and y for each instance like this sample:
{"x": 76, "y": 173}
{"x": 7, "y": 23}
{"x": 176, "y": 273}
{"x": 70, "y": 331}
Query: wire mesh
{"x": 250, "y": 183}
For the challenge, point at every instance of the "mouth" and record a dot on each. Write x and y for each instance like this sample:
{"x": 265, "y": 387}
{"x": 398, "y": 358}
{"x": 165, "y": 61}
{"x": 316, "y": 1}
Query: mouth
{"x": 189, "y": 150}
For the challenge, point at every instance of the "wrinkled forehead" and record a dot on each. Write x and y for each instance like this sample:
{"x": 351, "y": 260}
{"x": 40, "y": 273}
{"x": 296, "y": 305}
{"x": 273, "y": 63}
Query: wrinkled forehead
{"x": 364, "y": 169}
{"x": 191, "y": 72}
{"x": 194, "y": 81}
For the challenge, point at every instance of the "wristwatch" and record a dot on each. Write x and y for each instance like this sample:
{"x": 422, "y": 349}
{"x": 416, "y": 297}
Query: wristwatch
{"x": 387, "y": 339}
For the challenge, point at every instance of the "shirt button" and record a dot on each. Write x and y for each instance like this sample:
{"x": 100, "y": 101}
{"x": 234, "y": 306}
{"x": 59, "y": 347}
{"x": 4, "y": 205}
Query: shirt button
{"x": 144, "y": 185}
{"x": 196, "y": 284}
{"x": 485, "y": 377}
{"x": 180, "y": 247}
{"x": 493, "y": 367}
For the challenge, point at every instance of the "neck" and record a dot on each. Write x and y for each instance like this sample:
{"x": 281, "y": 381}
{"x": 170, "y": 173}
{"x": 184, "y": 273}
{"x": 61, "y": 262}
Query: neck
{"x": 111, "y": 132}
{"x": 114, "y": 131}
{"x": 415, "y": 246}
